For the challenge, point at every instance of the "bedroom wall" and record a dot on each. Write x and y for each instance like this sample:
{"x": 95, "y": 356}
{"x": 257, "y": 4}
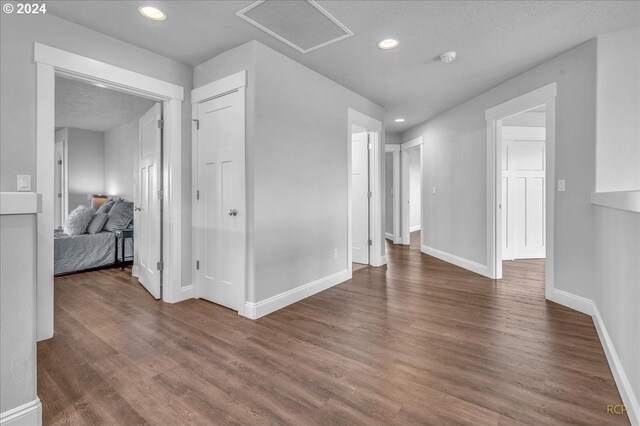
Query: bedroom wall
{"x": 86, "y": 166}
{"x": 120, "y": 160}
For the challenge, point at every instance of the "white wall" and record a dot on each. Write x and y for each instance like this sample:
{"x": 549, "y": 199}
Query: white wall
{"x": 393, "y": 138}
{"x": 297, "y": 148}
{"x": 120, "y": 159}
{"x": 17, "y": 311}
{"x": 618, "y": 147}
{"x": 86, "y": 166}
{"x": 415, "y": 178}
{"x": 18, "y": 100}
{"x": 388, "y": 192}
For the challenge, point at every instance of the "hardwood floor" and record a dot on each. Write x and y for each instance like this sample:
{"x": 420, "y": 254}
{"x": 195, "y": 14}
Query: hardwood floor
{"x": 419, "y": 341}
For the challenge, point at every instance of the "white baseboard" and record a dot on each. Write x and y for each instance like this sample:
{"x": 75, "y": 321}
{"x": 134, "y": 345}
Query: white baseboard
{"x": 622, "y": 382}
{"x": 378, "y": 261}
{"x": 29, "y": 414}
{"x": 457, "y": 260}
{"x": 279, "y": 301}
{"x": 135, "y": 271}
{"x": 587, "y": 306}
{"x": 186, "y": 292}
{"x": 388, "y": 235}
{"x": 572, "y": 301}
{"x": 414, "y": 228}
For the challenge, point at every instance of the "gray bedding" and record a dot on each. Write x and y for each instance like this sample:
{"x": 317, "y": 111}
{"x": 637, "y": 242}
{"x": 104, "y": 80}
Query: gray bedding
{"x": 86, "y": 251}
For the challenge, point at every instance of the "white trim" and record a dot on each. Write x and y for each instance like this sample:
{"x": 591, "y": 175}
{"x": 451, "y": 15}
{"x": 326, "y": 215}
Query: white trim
{"x": 589, "y": 307}
{"x": 219, "y": 87}
{"x": 20, "y": 203}
{"x": 377, "y": 255}
{"x": 456, "y": 260}
{"x": 405, "y": 184}
{"x": 279, "y": 301}
{"x": 51, "y": 61}
{"x": 621, "y": 200}
{"x": 572, "y": 301}
{"x": 388, "y": 235}
{"x": 187, "y": 292}
{"x": 23, "y": 415}
{"x": 395, "y": 150}
{"x": 542, "y": 96}
{"x": 521, "y": 103}
{"x": 415, "y": 228}
{"x": 99, "y": 71}
{"x": 348, "y": 32}
{"x": 622, "y": 381}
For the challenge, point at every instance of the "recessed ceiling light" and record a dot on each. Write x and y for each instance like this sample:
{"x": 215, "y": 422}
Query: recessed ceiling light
{"x": 100, "y": 85}
{"x": 399, "y": 120}
{"x": 447, "y": 57}
{"x": 152, "y": 13}
{"x": 388, "y": 43}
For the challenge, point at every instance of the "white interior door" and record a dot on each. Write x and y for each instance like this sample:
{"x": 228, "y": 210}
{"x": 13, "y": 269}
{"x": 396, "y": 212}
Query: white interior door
{"x": 523, "y": 199}
{"x": 360, "y": 197}
{"x": 221, "y": 212}
{"x": 147, "y": 222}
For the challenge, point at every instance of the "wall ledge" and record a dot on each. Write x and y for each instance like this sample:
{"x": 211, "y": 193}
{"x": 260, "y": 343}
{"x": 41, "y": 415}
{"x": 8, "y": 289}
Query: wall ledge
{"x": 621, "y": 200}
{"x": 20, "y": 203}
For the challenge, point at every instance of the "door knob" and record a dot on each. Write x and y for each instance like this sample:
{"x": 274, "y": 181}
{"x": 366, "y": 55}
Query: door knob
{"x": 233, "y": 212}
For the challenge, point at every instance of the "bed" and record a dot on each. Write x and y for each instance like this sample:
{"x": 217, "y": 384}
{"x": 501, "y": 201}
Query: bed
{"x": 79, "y": 252}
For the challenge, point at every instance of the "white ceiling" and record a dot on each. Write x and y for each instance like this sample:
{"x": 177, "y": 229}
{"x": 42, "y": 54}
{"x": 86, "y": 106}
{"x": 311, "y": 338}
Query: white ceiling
{"x": 84, "y": 106}
{"x": 495, "y": 41}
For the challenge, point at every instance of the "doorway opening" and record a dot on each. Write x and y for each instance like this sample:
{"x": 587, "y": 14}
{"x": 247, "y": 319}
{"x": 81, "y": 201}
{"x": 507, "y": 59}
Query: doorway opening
{"x": 392, "y": 193}
{"x": 165, "y": 172}
{"x": 412, "y": 202}
{"x": 520, "y": 186}
{"x": 365, "y": 227}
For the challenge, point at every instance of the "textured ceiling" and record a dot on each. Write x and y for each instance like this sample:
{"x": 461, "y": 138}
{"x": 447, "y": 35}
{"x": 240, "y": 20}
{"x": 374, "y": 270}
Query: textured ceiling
{"x": 495, "y": 41}
{"x": 84, "y": 106}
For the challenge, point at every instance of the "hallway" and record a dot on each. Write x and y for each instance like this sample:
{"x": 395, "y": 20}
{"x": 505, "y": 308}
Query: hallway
{"x": 418, "y": 341}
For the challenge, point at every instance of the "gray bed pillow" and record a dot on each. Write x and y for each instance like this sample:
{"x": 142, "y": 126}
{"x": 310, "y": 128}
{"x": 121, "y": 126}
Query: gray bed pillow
{"x": 105, "y": 207}
{"x": 97, "y": 223}
{"x": 78, "y": 220}
{"x": 120, "y": 216}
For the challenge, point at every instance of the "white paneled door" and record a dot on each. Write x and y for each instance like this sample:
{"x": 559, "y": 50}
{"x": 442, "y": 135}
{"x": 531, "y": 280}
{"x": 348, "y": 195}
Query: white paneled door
{"x": 147, "y": 222}
{"x": 523, "y": 199}
{"x": 220, "y": 232}
{"x": 360, "y": 197}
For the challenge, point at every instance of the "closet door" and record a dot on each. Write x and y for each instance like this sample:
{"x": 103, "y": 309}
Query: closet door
{"x": 221, "y": 209}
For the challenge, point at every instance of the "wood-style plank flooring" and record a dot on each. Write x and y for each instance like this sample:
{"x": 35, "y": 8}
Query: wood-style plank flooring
{"x": 417, "y": 342}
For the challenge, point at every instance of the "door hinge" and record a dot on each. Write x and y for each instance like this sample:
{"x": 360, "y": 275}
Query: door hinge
{"x": 59, "y": 162}
{"x": 197, "y": 123}
{"x": 369, "y": 194}
{"x": 160, "y": 266}
{"x": 161, "y": 124}
{"x": 161, "y": 195}
{"x": 370, "y": 146}
{"x": 198, "y": 194}
{"x": 59, "y": 195}
{"x": 370, "y": 242}
{"x": 197, "y": 265}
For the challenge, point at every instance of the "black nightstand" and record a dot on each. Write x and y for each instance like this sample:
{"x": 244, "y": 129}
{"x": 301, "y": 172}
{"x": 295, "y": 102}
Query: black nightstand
{"x": 121, "y": 236}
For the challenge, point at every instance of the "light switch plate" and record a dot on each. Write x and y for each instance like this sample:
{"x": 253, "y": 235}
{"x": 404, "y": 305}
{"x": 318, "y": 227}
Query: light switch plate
{"x": 24, "y": 183}
{"x": 433, "y": 189}
{"x": 561, "y": 185}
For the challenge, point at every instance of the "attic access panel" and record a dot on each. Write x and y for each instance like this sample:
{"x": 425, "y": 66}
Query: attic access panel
{"x": 302, "y": 24}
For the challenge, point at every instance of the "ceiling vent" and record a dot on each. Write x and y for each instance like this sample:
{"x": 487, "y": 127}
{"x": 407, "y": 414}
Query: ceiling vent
{"x": 302, "y": 24}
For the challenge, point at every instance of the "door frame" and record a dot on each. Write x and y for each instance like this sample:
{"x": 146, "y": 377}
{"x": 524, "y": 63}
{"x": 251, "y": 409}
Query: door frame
{"x": 545, "y": 95}
{"x": 221, "y": 87}
{"x": 50, "y": 62}
{"x": 406, "y": 148}
{"x": 395, "y": 150}
{"x": 377, "y": 251}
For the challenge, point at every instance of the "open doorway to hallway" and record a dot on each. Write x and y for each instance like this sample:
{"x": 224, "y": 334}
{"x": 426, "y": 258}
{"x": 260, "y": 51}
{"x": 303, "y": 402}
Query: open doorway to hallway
{"x": 412, "y": 203}
{"x": 360, "y": 196}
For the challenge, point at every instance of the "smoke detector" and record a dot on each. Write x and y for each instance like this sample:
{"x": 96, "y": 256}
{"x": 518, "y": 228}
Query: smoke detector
{"x": 447, "y": 57}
